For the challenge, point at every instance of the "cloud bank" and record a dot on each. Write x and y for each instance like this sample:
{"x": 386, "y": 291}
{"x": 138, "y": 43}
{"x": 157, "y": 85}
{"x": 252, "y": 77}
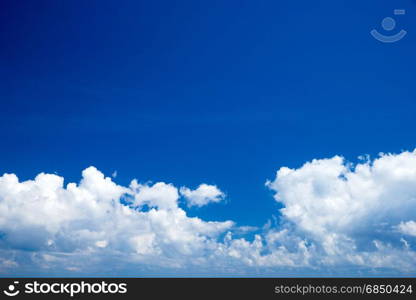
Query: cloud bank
{"x": 357, "y": 218}
{"x": 408, "y": 228}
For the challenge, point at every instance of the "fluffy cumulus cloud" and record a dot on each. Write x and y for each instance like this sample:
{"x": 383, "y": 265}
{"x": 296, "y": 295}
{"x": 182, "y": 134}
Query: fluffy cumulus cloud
{"x": 408, "y": 228}
{"x": 44, "y": 217}
{"x": 335, "y": 216}
{"x": 203, "y": 195}
{"x": 351, "y": 212}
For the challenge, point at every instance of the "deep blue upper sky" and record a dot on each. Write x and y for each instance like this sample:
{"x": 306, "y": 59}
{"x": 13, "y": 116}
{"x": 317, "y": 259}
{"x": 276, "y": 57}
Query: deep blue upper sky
{"x": 221, "y": 92}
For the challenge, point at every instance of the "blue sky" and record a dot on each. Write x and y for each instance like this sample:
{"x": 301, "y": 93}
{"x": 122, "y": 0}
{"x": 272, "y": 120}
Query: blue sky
{"x": 188, "y": 92}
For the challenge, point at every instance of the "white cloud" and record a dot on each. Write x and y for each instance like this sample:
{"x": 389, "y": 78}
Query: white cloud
{"x": 42, "y": 215}
{"x": 408, "y": 228}
{"x": 334, "y": 216}
{"x": 340, "y": 206}
{"x": 160, "y": 195}
{"x": 203, "y": 195}
{"x": 101, "y": 244}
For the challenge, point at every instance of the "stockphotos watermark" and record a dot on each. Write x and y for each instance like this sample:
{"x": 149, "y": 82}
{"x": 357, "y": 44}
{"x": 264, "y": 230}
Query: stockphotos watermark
{"x": 389, "y": 24}
{"x": 71, "y": 289}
